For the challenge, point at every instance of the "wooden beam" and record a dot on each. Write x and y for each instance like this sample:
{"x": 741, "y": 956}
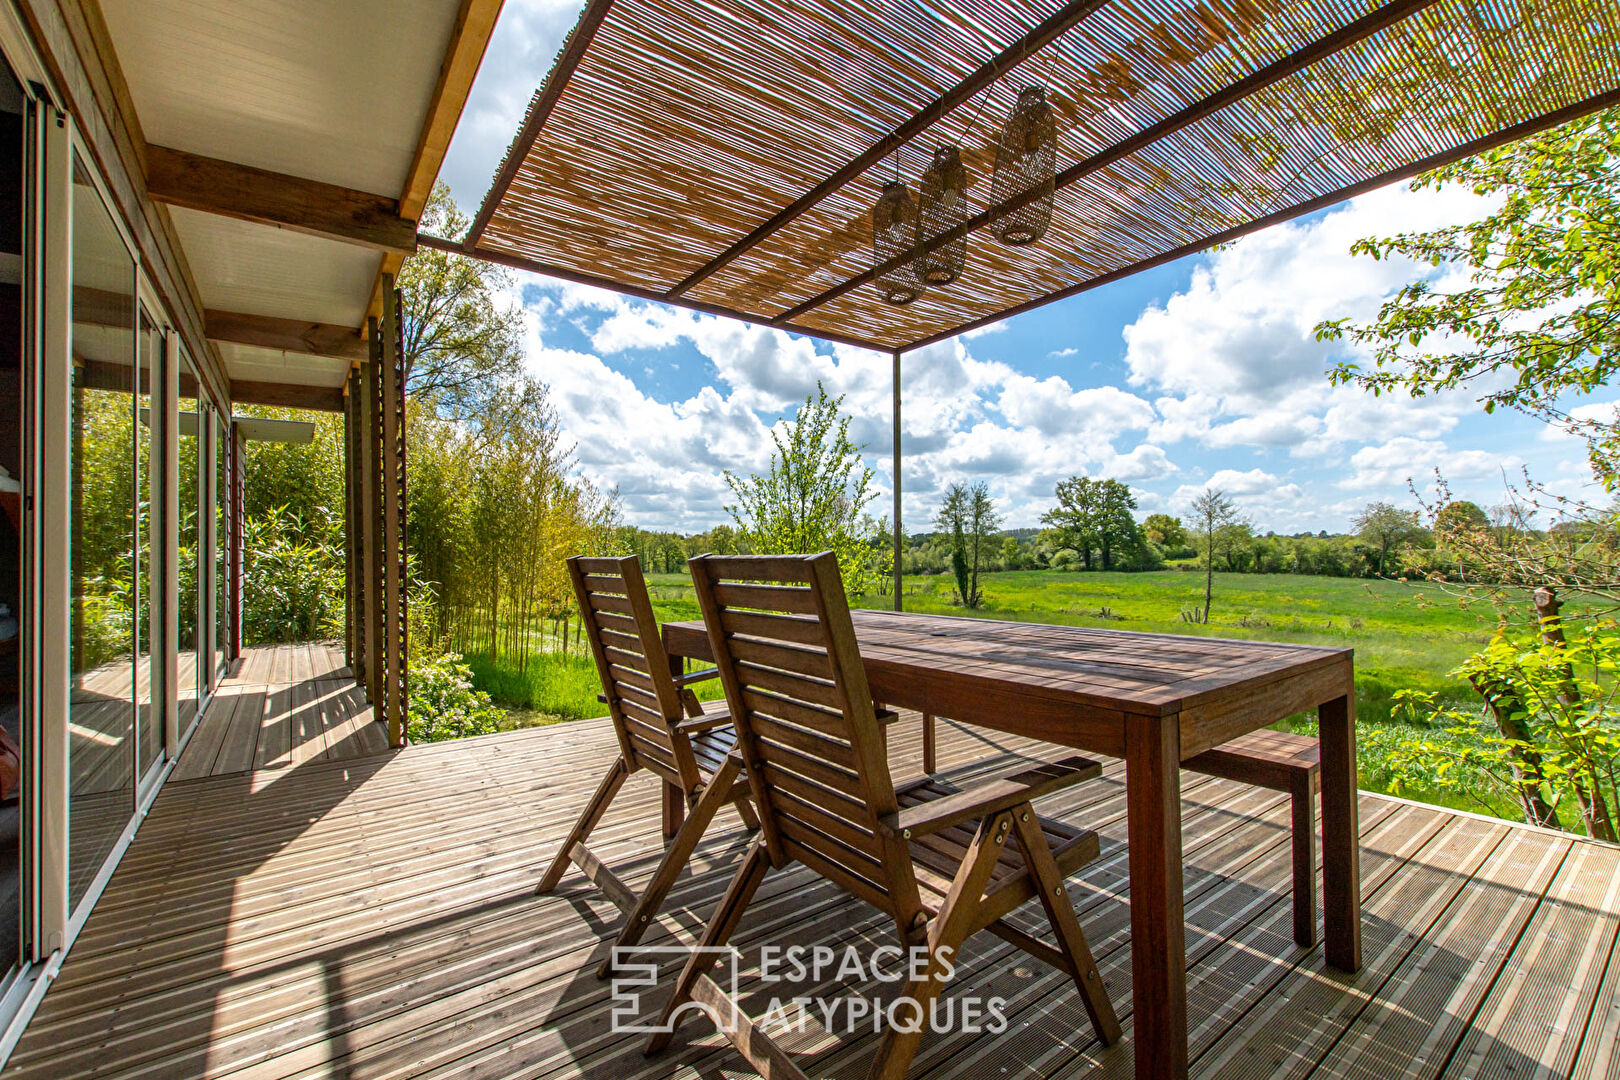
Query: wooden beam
{"x": 1276, "y": 71}
{"x": 287, "y": 395}
{"x": 534, "y": 266}
{"x": 1039, "y": 36}
{"x": 579, "y": 40}
{"x": 287, "y": 335}
{"x": 475, "y": 22}
{"x": 268, "y": 198}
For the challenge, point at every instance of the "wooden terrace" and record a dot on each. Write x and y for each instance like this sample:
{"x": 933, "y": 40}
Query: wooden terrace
{"x": 334, "y": 911}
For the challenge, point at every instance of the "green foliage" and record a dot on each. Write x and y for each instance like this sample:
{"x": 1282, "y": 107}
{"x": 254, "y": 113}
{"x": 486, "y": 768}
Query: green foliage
{"x": 294, "y": 586}
{"x": 969, "y": 517}
{"x": 1539, "y": 315}
{"x": 443, "y": 703}
{"x": 1095, "y": 515}
{"x": 1384, "y": 527}
{"x": 814, "y": 496}
{"x": 1555, "y": 716}
{"x": 1167, "y": 532}
{"x": 462, "y": 344}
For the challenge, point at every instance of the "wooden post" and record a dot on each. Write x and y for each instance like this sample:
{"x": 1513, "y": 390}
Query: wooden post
{"x": 351, "y": 591}
{"x": 370, "y": 519}
{"x": 899, "y": 534}
{"x": 393, "y": 509}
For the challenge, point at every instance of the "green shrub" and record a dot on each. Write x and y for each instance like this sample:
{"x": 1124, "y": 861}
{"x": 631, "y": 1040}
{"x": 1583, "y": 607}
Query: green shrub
{"x": 443, "y": 703}
{"x": 293, "y": 588}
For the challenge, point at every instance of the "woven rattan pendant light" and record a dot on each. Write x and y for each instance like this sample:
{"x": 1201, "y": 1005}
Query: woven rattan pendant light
{"x": 894, "y": 227}
{"x": 1026, "y": 160}
{"x": 942, "y": 205}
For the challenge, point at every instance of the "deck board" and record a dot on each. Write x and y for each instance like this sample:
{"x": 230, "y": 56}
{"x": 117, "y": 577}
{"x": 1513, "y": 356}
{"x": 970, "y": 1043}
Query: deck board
{"x": 370, "y": 915}
{"x": 282, "y": 706}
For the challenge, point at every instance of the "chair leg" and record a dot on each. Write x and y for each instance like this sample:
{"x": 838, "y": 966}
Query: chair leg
{"x": 745, "y": 810}
{"x": 716, "y": 934}
{"x": 950, "y": 929}
{"x": 1065, "y": 924}
{"x": 1303, "y": 796}
{"x": 674, "y": 810}
{"x": 675, "y": 859}
{"x": 930, "y": 746}
{"x": 582, "y": 828}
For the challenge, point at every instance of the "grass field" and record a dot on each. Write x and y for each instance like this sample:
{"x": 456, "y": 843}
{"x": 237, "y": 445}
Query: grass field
{"x": 1403, "y": 637}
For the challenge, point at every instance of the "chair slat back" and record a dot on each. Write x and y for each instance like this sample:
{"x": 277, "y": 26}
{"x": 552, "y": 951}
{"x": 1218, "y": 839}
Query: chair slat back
{"x": 785, "y": 648}
{"x": 641, "y": 694}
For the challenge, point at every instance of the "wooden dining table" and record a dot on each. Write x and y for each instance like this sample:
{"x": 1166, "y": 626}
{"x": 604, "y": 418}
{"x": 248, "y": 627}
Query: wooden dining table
{"x": 1154, "y": 700}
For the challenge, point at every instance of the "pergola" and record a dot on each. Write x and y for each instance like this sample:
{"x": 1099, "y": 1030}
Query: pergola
{"x": 725, "y": 157}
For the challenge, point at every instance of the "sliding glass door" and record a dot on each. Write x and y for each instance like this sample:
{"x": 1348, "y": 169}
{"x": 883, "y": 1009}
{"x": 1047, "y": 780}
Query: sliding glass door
{"x": 192, "y": 511}
{"x": 106, "y": 603}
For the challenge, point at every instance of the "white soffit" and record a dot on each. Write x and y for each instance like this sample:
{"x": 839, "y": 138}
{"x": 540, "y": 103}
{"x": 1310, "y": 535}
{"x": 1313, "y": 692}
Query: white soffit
{"x": 249, "y": 363}
{"x": 260, "y": 270}
{"x": 336, "y": 92}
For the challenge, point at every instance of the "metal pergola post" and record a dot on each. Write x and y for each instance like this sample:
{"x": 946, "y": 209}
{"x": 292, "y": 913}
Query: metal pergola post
{"x": 899, "y": 533}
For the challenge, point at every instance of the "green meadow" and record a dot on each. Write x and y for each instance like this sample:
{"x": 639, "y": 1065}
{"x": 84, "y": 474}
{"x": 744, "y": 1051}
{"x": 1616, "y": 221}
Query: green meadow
{"x": 1404, "y": 637}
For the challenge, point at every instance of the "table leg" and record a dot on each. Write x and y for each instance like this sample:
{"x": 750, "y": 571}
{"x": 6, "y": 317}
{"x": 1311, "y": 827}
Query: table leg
{"x": 1341, "y": 833}
{"x": 1158, "y": 926}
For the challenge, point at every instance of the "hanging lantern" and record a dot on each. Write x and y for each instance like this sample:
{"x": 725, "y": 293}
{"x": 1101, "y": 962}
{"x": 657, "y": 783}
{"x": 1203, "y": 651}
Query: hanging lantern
{"x": 942, "y": 205}
{"x": 1026, "y": 160}
{"x": 894, "y": 226}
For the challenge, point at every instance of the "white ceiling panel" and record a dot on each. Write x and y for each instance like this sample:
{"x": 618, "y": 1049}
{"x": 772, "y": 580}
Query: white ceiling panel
{"x": 259, "y": 270}
{"x": 253, "y": 364}
{"x": 331, "y": 91}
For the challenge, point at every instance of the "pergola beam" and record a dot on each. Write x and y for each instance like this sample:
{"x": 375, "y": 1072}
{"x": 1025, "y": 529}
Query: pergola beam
{"x": 534, "y": 266}
{"x": 1273, "y": 73}
{"x": 246, "y": 193}
{"x": 287, "y": 395}
{"x": 1041, "y": 35}
{"x": 286, "y": 335}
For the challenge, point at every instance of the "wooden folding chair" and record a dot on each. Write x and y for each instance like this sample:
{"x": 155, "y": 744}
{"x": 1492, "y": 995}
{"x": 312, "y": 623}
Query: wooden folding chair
{"x": 662, "y": 728}
{"x": 934, "y": 857}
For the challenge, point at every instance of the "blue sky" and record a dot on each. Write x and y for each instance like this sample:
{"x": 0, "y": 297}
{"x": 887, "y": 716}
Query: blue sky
{"x": 1202, "y": 372}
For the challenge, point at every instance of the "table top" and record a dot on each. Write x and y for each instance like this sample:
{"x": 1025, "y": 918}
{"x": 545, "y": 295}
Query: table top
{"x": 1132, "y": 672}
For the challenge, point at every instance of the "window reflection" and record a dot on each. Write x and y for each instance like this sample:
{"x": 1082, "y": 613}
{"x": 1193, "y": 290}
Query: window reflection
{"x": 106, "y": 603}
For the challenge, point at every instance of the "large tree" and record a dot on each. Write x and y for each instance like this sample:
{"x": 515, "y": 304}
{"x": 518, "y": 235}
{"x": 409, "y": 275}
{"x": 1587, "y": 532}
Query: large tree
{"x": 813, "y": 496}
{"x": 463, "y": 340}
{"x": 1094, "y": 515}
{"x": 1385, "y": 527}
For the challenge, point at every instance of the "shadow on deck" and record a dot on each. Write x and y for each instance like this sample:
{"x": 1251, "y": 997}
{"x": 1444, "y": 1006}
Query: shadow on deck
{"x": 373, "y": 916}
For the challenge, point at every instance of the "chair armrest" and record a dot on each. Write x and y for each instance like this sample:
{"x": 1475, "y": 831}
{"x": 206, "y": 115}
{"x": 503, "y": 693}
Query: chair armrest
{"x": 990, "y": 797}
{"x": 601, "y": 699}
{"x": 886, "y": 716}
{"x": 697, "y": 676}
{"x": 704, "y": 721}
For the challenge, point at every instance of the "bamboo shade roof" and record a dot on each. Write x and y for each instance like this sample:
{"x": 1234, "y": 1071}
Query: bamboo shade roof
{"x": 725, "y": 154}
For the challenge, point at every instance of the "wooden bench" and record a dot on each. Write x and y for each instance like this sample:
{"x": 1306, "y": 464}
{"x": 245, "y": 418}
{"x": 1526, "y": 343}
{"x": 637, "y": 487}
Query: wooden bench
{"x": 1279, "y": 761}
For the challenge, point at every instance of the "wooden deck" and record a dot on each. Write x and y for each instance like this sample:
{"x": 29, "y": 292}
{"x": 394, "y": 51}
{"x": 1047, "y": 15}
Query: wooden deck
{"x": 281, "y": 706}
{"x": 373, "y": 917}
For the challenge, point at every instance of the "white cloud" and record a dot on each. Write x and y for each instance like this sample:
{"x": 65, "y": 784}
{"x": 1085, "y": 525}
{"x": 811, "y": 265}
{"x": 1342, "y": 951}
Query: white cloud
{"x": 1235, "y": 358}
{"x": 1405, "y": 459}
{"x": 1059, "y": 354}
